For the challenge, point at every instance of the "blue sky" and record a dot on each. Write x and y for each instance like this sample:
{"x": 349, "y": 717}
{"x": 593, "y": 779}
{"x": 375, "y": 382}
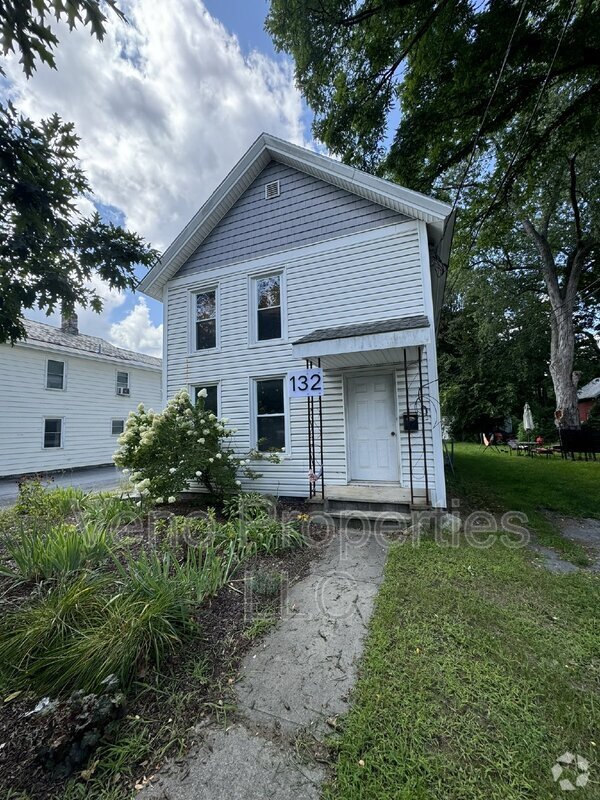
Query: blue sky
{"x": 164, "y": 107}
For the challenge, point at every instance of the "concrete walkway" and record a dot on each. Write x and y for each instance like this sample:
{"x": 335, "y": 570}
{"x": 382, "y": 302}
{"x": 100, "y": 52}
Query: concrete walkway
{"x": 89, "y": 479}
{"x": 292, "y": 685}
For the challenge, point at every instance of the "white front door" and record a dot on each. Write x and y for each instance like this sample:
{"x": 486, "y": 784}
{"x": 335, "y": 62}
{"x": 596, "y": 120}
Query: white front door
{"x": 372, "y": 439}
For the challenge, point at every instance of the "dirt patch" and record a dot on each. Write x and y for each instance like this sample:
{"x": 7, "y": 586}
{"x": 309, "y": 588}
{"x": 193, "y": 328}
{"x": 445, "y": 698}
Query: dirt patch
{"x": 194, "y": 686}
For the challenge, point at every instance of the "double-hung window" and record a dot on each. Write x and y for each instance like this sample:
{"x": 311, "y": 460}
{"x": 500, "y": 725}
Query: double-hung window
{"x": 268, "y": 296}
{"x": 205, "y": 318}
{"x": 270, "y": 415}
{"x": 55, "y": 374}
{"x": 211, "y": 401}
{"x": 117, "y": 426}
{"x": 123, "y": 383}
{"x": 53, "y": 432}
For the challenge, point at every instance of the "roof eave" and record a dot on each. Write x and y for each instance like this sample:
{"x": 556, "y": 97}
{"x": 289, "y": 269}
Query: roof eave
{"x": 263, "y": 150}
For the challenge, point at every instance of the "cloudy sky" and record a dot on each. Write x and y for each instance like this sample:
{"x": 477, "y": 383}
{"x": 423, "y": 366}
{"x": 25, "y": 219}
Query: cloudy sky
{"x": 164, "y": 106}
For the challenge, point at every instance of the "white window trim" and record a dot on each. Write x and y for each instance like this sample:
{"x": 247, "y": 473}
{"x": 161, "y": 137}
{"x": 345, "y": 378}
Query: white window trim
{"x": 253, "y": 277}
{"x": 62, "y": 433}
{"x": 128, "y": 372}
{"x": 210, "y": 287}
{"x": 50, "y": 388}
{"x": 202, "y": 384}
{"x": 117, "y": 419}
{"x": 253, "y": 380}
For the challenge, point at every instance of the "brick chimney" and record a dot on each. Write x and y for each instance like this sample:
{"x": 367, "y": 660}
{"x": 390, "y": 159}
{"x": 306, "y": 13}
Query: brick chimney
{"x": 68, "y": 324}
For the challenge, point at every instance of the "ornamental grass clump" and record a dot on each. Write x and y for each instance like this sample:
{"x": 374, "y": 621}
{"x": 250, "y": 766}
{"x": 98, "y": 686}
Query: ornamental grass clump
{"x": 162, "y": 453}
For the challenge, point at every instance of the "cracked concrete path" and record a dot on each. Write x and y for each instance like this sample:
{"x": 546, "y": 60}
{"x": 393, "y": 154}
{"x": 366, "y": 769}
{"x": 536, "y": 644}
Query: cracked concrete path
{"x": 585, "y": 532}
{"x": 292, "y": 682}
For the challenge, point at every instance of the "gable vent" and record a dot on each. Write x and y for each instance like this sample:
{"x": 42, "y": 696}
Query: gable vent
{"x": 272, "y": 190}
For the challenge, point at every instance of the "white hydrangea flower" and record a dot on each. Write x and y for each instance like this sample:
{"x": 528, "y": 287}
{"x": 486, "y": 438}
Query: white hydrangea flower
{"x": 126, "y": 471}
{"x": 160, "y": 500}
{"x": 206, "y": 431}
{"x": 201, "y": 441}
{"x": 238, "y": 483}
{"x": 172, "y": 470}
{"x": 218, "y": 455}
{"x": 202, "y": 393}
{"x": 198, "y": 473}
{"x": 171, "y": 499}
{"x": 211, "y": 460}
{"x": 212, "y": 416}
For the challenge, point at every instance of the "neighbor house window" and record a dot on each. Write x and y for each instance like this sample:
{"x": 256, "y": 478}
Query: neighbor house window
{"x": 53, "y": 432}
{"x": 268, "y": 307}
{"x": 211, "y": 401}
{"x": 205, "y": 316}
{"x": 123, "y": 383}
{"x": 55, "y": 374}
{"x": 117, "y": 426}
{"x": 270, "y": 415}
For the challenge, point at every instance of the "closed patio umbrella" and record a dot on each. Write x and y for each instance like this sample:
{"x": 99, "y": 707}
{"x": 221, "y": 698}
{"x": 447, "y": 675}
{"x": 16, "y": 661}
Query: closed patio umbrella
{"x": 527, "y": 418}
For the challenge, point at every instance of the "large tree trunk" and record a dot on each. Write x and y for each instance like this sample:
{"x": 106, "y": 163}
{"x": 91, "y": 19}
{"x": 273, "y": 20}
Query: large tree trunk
{"x": 562, "y": 303}
{"x": 562, "y": 356}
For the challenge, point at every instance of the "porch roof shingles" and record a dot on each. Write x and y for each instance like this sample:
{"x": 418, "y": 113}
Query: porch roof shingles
{"x": 365, "y": 329}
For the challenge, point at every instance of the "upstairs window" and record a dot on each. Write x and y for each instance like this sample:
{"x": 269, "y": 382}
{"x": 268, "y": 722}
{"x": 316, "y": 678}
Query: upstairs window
{"x": 53, "y": 433}
{"x": 270, "y": 415}
{"x": 205, "y": 316}
{"x": 55, "y": 374}
{"x": 123, "y": 384}
{"x": 268, "y": 307}
{"x": 211, "y": 401}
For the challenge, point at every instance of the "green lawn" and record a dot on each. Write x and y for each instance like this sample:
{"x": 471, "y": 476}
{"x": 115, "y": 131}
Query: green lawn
{"x": 480, "y": 669}
{"x": 534, "y": 486}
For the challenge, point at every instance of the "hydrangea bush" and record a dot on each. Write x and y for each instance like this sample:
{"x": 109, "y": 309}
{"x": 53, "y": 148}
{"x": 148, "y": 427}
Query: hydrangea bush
{"x": 162, "y": 453}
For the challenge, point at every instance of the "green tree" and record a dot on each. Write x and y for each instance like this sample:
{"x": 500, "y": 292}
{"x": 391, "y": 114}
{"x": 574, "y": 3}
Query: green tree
{"x": 48, "y": 250}
{"x": 497, "y": 112}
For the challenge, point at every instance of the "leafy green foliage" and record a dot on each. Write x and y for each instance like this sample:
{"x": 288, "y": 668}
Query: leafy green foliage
{"x": 25, "y": 26}
{"x": 108, "y": 510}
{"x": 164, "y": 452}
{"x": 48, "y": 250}
{"x": 56, "y": 552}
{"x": 42, "y": 502}
{"x": 266, "y": 582}
{"x": 356, "y": 62}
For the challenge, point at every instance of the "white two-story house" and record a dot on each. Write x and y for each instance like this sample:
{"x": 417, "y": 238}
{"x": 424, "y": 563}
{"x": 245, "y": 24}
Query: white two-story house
{"x": 65, "y": 397}
{"x": 295, "y": 259}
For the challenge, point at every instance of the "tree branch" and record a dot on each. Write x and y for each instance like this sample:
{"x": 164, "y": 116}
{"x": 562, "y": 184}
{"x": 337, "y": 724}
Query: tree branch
{"x": 574, "y": 203}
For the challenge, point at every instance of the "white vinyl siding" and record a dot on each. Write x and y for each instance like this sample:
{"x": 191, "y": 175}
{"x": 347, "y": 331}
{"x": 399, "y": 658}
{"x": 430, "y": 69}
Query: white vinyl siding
{"x": 86, "y": 407}
{"x": 361, "y": 277}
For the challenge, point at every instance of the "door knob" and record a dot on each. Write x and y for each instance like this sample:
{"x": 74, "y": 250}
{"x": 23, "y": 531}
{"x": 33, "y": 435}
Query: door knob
{"x": 393, "y": 433}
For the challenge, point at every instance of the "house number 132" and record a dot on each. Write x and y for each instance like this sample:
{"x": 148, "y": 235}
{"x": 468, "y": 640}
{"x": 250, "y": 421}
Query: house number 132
{"x": 305, "y": 383}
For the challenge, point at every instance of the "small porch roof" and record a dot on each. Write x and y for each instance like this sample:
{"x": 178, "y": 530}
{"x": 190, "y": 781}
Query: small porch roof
{"x": 366, "y": 343}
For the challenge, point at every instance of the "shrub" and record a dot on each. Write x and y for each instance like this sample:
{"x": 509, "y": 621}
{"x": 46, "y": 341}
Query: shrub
{"x": 38, "y": 501}
{"x": 162, "y": 453}
{"x": 109, "y": 510}
{"x": 33, "y": 636}
{"x": 266, "y": 583}
{"x": 249, "y": 505}
{"x": 57, "y": 551}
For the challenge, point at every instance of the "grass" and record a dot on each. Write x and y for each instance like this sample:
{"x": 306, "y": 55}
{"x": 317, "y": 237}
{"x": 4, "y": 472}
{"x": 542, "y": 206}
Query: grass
{"x": 479, "y": 671}
{"x": 538, "y": 487}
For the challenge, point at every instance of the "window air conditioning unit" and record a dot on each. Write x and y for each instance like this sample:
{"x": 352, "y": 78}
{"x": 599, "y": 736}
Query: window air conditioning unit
{"x": 123, "y": 390}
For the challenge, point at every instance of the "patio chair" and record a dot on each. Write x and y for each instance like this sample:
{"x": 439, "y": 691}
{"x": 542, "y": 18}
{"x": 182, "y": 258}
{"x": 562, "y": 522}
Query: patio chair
{"x": 489, "y": 442}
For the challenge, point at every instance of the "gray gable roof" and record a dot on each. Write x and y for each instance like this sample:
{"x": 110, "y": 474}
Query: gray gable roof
{"x": 266, "y": 148}
{"x": 40, "y": 333}
{"x": 365, "y": 329}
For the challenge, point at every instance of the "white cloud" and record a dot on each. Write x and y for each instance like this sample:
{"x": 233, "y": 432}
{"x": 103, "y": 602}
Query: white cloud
{"x": 136, "y": 331}
{"x": 164, "y": 107}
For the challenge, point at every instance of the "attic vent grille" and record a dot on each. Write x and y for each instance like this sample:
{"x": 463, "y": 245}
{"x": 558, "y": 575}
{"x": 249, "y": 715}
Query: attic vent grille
{"x": 272, "y": 190}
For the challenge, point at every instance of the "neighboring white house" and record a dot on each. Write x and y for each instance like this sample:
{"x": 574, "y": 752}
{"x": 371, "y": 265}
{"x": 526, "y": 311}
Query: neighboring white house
{"x": 298, "y": 257}
{"x": 65, "y": 396}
